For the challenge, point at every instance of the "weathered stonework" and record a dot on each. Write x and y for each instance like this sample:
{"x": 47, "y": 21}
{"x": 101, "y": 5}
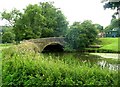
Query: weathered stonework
{"x": 43, "y": 42}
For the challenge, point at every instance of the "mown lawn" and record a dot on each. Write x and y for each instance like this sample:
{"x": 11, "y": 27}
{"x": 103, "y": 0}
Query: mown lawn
{"x": 110, "y": 44}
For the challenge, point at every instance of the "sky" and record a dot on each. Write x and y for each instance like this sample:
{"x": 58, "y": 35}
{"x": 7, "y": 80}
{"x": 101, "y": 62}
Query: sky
{"x": 74, "y": 10}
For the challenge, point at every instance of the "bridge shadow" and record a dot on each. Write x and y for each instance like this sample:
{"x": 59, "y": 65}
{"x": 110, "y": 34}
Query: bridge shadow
{"x": 53, "y": 48}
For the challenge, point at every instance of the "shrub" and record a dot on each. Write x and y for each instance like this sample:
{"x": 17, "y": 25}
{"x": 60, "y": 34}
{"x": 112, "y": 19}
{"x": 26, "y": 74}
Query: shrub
{"x": 37, "y": 70}
{"x": 24, "y": 49}
{"x": 8, "y": 37}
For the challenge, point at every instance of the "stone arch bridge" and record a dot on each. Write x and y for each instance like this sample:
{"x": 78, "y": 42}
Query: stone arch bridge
{"x": 49, "y": 44}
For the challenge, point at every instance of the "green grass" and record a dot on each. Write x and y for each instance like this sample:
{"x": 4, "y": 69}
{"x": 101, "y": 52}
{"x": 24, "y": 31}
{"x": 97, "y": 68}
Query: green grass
{"x": 110, "y": 44}
{"x": 2, "y": 46}
{"x": 24, "y": 67}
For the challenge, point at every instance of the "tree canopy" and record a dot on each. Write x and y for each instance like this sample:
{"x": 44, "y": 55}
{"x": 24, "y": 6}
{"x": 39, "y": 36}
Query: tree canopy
{"x": 99, "y": 27}
{"x": 55, "y": 21}
{"x": 8, "y": 37}
{"x": 81, "y": 35}
{"x": 112, "y": 4}
{"x": 38, "y": 20}
{"x": 29, "y": 25}
{"x": 11, "y": 16}
{"x": 115, "y": 22}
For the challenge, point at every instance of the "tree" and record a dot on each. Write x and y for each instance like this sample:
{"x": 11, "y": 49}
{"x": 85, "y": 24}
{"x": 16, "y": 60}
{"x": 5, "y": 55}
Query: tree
{"x": 81, "y": 35}
{"x": 8, "y": 37}
{"x": 55, "y": 21}
{"x": 7, "y": 29}
{"x": 115, "y": 23}
{"x": 108, "y": 28}
{"x": 29, "y": 25}
{"x": 74, "y": 37}
{"x": 43, "y": 20}
{"x": 39, "y": 20}
{"x": 6, "y": 34}
{"x": 112, "y": 4}
{"x": 99, "y": 27}
{"x": 90, "y": 30}
{"x": 11, "y": 16}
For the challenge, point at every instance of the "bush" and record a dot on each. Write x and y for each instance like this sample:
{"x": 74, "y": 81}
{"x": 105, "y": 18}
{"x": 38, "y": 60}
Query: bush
{"x": 81, "y": 35}
{"x": 8, "y": 37}
{"x": 37, "y": 70}
{"x": 24, "y": 49}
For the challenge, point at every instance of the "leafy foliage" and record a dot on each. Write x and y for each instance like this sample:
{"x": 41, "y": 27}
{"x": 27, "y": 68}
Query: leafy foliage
{"x": 6, "y": 34}
{"x": 23, "y": 67}
{"x": 8, "y": 37}
{"x": 112, "y": 5}
{"x": 55, "y": 22}
{"x": 30, "y": 23}
{"x": 81, "y": 35}
{"x": 12, "y": 16}
{"x": 108, "y": 28}
{"x": 99, "y": 27}
{"x": 115, "y": 23}
{"x": 38, "y": 20}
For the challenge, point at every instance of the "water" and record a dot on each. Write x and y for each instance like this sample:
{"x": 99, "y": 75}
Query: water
{"x": 103, "y": 62}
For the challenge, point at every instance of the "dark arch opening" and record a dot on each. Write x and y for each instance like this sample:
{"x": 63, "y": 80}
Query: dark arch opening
{"x": 53, "y": 48}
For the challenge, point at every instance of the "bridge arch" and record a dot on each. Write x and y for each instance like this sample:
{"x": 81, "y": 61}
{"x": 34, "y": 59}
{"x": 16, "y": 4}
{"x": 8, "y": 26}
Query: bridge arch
{"x": 53, "y": 47}
{"x": 50, "y": 42}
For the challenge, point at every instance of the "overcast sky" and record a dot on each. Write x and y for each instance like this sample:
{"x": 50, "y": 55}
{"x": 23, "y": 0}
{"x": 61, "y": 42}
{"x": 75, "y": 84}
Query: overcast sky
{"x": 74, "y": 10}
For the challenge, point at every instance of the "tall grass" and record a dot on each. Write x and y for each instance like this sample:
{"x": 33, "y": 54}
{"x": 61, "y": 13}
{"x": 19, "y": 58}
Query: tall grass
{"x": 2, "y": 46}
{"x": 0, "y": 69}
{"x": 29, "y": 68}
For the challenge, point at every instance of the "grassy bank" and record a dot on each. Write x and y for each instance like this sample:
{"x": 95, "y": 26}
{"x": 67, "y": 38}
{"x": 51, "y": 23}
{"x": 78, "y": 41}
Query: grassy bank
{"x": 109, "y": 45}
{"x": 23, "y": 66}
{"x": 2, "y": 46}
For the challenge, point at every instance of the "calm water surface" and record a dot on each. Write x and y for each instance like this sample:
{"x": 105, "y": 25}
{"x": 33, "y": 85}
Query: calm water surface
{"x": 103, "y": 61}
